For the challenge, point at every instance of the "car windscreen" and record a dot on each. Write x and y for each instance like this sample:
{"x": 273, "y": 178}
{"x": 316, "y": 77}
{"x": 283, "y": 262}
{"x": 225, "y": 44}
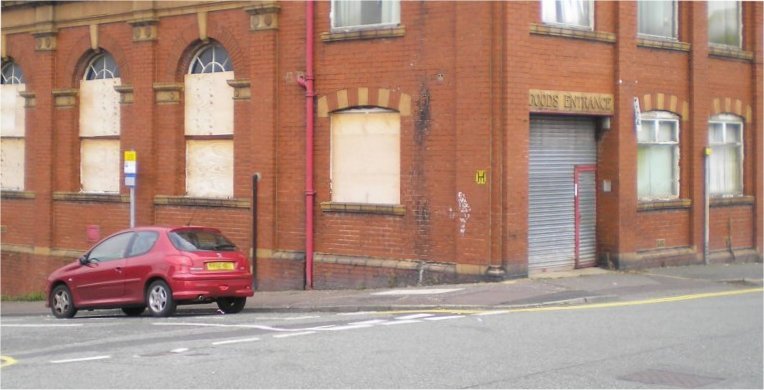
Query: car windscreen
{"x": 200, "y": 240}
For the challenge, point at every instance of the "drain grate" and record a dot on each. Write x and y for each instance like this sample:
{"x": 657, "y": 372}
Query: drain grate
{"x": 670, "y": 378}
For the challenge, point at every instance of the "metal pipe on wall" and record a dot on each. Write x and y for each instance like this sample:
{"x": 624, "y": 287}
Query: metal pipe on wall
{"x": 306, "y": 82}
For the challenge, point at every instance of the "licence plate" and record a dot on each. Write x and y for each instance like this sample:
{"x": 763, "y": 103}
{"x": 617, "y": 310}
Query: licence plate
{"x": 220, "y": 266}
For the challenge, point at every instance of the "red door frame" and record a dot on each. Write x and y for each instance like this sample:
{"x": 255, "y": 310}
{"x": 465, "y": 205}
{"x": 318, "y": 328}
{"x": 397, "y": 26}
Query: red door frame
{"x": 577, "y": 170}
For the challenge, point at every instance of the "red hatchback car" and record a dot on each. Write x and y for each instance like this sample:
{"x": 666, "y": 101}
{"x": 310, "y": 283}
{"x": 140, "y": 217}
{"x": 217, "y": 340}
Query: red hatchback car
{"x": 156, "y": 268}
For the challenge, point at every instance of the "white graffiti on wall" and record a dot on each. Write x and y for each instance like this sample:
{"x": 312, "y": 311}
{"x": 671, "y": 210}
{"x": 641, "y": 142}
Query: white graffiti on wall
{"x": 464, "y": 212}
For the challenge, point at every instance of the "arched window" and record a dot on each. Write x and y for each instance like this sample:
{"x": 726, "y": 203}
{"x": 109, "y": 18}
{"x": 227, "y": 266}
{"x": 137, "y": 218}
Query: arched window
{"x": 102, "y": 67}
{"x": 13, "y": 132}
{"x": 209, "y": 124}
{"x": 211, "y": 58}
{"x": 12, "y": 74}
{"x": 725, "y": 137}
{"x": 100, "y": 126}
{"x": 658, "y": 156}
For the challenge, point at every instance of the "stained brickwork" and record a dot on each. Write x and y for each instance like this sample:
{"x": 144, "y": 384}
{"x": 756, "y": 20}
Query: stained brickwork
{"x": 459, "y": 73}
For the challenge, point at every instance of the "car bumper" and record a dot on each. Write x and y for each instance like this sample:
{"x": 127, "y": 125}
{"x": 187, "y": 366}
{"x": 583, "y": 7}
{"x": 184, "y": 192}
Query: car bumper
{"x": 201, "y": 287}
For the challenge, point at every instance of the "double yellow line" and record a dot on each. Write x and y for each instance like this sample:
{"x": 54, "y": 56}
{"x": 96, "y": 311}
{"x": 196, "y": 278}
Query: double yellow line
{"x": 586, "y": 306}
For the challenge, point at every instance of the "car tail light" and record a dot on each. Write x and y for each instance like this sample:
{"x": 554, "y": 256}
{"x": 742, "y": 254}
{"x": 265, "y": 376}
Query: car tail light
{"x": 182, "y": 263}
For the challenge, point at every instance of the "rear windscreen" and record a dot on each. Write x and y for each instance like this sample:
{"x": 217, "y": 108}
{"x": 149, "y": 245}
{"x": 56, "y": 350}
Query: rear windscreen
{"x": 200, "y": 240}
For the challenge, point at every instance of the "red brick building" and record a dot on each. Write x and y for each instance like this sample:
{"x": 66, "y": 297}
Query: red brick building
{"x": 453, "y": 141}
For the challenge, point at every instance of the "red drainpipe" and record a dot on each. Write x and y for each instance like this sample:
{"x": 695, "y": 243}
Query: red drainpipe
{"x": 310, "y": 192}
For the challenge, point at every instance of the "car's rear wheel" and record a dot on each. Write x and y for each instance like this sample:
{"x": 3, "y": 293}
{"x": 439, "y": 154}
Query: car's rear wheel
{"x": 159, "y": 299}
{"x": 133, "y": 311}
{"x": 61, "y": 302}
{"x": 231, "y": 305}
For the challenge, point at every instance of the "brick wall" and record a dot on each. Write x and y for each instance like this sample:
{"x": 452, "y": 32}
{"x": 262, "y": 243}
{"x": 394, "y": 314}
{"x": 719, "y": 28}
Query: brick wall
{"x": 467, "y": 68}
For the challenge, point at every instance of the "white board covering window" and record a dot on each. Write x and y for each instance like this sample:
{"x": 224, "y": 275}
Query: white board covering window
{"x": 725, "y": 137}
{"x": 209, "y": 168}
{"x": 365, "y": 156}
{"x": 99, "y": 135}
{"x": 657, "y": 18}
{"x": 358, "y": 14}
{"x": 12, "y": 138}
{"x": 570, "y": 13}
{"x": 724, "y": 23}
{"x": 658, "y": 156}
{"x": 209, "y": 124}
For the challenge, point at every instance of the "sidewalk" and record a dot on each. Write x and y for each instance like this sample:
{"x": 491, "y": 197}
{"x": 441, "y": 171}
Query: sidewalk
{"x": 571, "y": 287}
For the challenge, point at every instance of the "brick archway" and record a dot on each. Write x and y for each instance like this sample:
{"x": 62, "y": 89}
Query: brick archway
{"x": 364, "y": 96}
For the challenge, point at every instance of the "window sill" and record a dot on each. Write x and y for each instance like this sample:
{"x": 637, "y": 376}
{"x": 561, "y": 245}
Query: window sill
{"x": 163, "y": 200}
{"x": 666, "y": 44}
{"x": 737, "y": 200}
{"x": 730, "y": 52}
{"x": 567, "y": 32}
{"x": 668, "y": 204}
{"x": 363, "y": 208}
{"x": 91, "y": 197}
{"x": 12, "y": 194}
{"x": 386, "y": 32}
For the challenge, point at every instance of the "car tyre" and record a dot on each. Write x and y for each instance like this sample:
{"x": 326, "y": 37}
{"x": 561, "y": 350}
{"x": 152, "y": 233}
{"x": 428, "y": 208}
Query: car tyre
{"x": 231, "y": 305}
{"x": 62, "y": 303}
{"x": 159, "y": 299}
{"x": 133, "y": 311}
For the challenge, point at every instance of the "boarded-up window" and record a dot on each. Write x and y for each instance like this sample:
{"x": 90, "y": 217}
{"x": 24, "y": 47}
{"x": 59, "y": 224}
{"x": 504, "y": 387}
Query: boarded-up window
{"x": 209, "y": 104}
{"x": 12, "y": 138}
{"x": 99, "y": 135}
{"x": 99, "y": 165}
{"x": 209, "y": 168}
{"x": 209, "y": 124}
{"x": 365, "y": 157}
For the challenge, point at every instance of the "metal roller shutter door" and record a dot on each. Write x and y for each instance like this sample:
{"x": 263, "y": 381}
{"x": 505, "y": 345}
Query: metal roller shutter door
{"x": 557, "y": 145}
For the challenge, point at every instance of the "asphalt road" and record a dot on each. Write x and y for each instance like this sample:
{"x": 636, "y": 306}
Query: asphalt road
{"x": 714, "y": 341}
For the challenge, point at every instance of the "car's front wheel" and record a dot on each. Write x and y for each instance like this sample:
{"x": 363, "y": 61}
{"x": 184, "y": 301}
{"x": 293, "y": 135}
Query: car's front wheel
{"x": 159, "y": 299}
{"x": 61, "y": 302}
{"x": 231, "y": 305}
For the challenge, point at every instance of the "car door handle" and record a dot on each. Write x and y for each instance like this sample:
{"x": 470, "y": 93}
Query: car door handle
{"x": 118, "y": 269}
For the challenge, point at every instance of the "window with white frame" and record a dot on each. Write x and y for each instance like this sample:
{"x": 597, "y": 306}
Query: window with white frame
{"x": 13, "y": 131}
{"x": 725, "y": 137}
{"x": 657, "y": 18}
{"x": 99, "y": 125}
{"x": 365, "y": 156}
{"x": 658, "y": 156}
{"x": 725, "y": 23}
{"x": 359, "y": 14}
{"x": 209, "y": 124}
{"x": 571, "y": 13}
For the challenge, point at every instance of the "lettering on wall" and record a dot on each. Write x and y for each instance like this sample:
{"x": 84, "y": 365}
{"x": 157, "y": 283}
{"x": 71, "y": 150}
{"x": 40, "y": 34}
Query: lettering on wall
{"x": 570, "y": 102}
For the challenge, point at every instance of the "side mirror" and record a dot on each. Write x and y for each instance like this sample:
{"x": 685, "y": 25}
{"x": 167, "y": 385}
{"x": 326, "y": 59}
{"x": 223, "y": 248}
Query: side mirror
{"x": 84, "y": 260}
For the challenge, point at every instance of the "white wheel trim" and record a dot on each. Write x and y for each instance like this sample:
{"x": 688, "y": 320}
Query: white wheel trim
{"x": 158, "y": 299}
{"x": 61, "y": 301}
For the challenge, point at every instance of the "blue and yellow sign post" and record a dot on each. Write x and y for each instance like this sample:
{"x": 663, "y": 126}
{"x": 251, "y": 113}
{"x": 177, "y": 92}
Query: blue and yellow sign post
{"x": 131, "y": 171}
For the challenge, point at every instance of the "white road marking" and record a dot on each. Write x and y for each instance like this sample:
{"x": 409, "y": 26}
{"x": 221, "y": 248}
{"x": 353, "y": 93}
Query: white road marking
{"x": 347, "y": 327}
{"x": 81, "y": 359}
{"x": 413, "y": 316}
{"x": 233, "y": 341}
{"x": 418, "y": 292}
{"x": 491, "y": 313}
{"x": 40, "y": 325}
{"x": 442, "y": 318}
{"x": 281, "y": 336}
{"x": 400, "y": 322}
{"x": 179, "y": 350}
{"x": 261, "y": 327}
{"x": 372, "y": 322}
